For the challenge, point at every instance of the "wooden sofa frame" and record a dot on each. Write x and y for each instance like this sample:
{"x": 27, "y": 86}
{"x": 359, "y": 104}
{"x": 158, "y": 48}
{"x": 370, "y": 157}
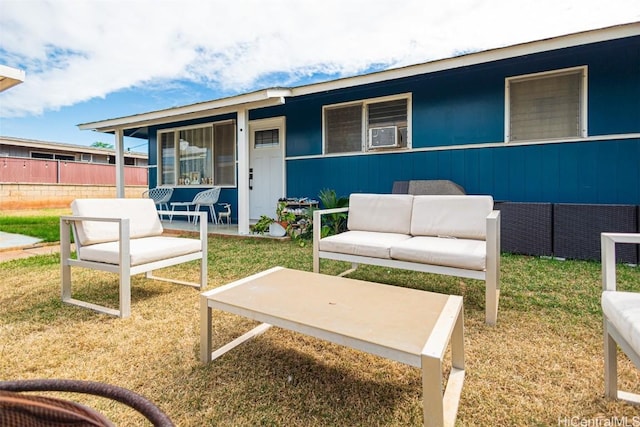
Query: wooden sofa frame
{"x": 491, "y": 275}
{"x": 123, "y": 268}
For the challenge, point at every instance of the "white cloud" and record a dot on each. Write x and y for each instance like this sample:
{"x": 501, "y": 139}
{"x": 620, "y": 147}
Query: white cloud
{"x": 73, "y": 51}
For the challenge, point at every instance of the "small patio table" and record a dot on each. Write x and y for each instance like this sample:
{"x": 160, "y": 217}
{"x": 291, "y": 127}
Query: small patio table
{"x": 406, "y": 325}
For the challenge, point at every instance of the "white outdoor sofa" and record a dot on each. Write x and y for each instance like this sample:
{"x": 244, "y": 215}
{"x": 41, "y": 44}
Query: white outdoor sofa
{"x": 621, "y": 313}
{"x": 125, "y": 236}
{"x": 455, "y": 235}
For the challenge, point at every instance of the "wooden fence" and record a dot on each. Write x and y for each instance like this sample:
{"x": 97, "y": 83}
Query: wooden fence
{"x": 25, "y": 170}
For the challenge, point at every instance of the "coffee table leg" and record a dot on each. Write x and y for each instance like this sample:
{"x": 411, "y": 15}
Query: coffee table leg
{"x": 432, "y": 391}
{"x": 205, "y": 330}
{"x": 441, "y": 408}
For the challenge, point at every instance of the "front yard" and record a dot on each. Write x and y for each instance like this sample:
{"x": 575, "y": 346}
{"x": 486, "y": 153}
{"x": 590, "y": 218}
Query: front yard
{"x": 541, "y": 365}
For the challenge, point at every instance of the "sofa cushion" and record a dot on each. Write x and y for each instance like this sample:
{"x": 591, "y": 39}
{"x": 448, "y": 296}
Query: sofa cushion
{"x": 142, "y": 251}
{"x": 623, "y": 311}
{"x": 451, "y": 252}
{"x": 386, "y": 213}
{"x": 363, "y": 243}
{"x": 142, "y": 214}
{"x": 451, "y": 216}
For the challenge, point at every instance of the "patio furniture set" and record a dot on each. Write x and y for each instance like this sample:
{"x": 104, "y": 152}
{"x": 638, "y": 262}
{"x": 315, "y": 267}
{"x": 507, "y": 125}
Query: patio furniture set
{"x": 450, "y": 235}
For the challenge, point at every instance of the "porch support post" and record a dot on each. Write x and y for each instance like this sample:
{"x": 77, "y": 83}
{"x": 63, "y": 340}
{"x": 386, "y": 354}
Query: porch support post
{"x": 119, "y": 146}
{"x": 243, "y": 171}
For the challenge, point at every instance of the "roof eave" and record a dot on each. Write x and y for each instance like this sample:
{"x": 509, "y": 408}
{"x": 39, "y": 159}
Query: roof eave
{"x": 10, "y": 77}
{"x": 275, "y": 96}
{"x": 265, "y": 97}
{"x": 523, "y": 49}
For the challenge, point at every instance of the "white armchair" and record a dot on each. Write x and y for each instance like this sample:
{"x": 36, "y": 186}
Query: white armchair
{"x": 621, "y": 313}
{"x": 124, "y": 236}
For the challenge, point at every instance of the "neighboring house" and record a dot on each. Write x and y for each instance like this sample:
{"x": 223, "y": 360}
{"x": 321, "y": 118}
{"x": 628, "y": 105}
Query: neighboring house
{"x": 29, "y": 148}
{"x": 25, "y": 160}
{"x": 555, "y": 120}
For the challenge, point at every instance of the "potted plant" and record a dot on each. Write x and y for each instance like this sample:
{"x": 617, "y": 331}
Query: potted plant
{"x": 262, "y": 226}
{"x": 284, "y": 216}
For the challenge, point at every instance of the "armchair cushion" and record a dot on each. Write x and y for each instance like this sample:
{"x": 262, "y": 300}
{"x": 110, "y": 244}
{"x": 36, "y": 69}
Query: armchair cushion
{"x": 623, "y": 311}
{"x": 142, "y": 251}
{"x": 142, "y": 214}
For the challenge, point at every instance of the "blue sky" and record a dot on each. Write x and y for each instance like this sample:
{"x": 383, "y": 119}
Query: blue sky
{"x": 90, "y": 60}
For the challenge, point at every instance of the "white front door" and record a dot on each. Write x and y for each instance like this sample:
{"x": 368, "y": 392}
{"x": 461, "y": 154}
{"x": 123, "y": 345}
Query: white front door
{"x": 266, "y": 166}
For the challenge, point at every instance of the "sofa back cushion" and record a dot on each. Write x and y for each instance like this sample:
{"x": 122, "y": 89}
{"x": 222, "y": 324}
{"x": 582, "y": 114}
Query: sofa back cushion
{"x": 142, "y": 214}
{"x": 387, "y": 213}
{"x": 451, "y": 216}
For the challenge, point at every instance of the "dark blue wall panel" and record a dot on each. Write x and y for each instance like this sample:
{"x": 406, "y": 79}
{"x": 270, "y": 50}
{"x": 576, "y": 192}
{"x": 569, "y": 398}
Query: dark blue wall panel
{"x": 556, "y": 173}
{"x": 465, "y": 107}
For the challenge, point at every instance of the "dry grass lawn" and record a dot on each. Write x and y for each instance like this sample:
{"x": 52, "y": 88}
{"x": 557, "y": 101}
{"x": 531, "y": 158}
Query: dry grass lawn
{"x": 541, "y": 365}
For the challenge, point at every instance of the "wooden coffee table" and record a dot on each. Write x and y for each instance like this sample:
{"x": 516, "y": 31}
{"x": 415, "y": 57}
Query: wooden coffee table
{"x": 407, "y": 325}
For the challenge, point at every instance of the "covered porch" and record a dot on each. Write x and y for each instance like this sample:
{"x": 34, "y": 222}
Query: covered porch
{"x": 144, "y": 126}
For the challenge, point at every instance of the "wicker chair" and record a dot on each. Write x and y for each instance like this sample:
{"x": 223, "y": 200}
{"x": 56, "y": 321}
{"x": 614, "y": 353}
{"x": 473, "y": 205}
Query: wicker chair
{"x": 22, "y": 409}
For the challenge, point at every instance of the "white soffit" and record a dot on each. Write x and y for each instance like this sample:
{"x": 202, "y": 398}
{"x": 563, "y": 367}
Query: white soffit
{"x": 10, "y": 77}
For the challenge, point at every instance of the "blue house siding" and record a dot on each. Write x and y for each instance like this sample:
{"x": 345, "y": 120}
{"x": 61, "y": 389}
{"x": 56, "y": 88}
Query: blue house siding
{"x": 458, "y": 134}
{"x": 603, "y": 172}
{"x": 464, "y": 107}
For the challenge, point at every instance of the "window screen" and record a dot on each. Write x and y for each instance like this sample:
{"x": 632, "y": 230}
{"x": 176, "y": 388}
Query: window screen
{"x": 224, "y": 154}
{"x": 343, "y": 129}
{"x": 545, "y": 107}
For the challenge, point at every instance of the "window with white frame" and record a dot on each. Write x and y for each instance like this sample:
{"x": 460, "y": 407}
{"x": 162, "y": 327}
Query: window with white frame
{"x": 198, "y": 155}
{"x": 373, "y": 124}
{"x": 549, "y": 105}
{"x": 266, "y": 138}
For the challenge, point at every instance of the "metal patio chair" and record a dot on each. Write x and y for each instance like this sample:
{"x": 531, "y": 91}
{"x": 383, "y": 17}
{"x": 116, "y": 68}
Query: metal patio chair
{"x": 160, "y": 196}
{"x": 204, "y": 198}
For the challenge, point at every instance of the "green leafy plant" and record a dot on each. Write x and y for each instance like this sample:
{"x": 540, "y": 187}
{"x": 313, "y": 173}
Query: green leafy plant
{"x": 332, "y": 223}
{"x": 262, "y": 226}
{"x": 284, "y": 215}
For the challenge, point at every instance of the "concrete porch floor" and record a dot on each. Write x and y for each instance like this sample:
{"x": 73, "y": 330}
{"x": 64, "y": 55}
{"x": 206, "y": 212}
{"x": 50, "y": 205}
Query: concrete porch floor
{"x": 180, "y": 225}
{"x": 219, "y": 229}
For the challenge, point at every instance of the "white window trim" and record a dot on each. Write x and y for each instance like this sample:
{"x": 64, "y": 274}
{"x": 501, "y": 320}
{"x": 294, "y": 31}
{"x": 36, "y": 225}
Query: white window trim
{"x": 583, "y": 96}
{"x": 176, "y": 148}
{"x": 364, "y": 133}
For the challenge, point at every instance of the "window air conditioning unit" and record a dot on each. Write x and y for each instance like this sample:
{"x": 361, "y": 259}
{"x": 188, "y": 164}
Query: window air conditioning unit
{"x": 383, "y": 137}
